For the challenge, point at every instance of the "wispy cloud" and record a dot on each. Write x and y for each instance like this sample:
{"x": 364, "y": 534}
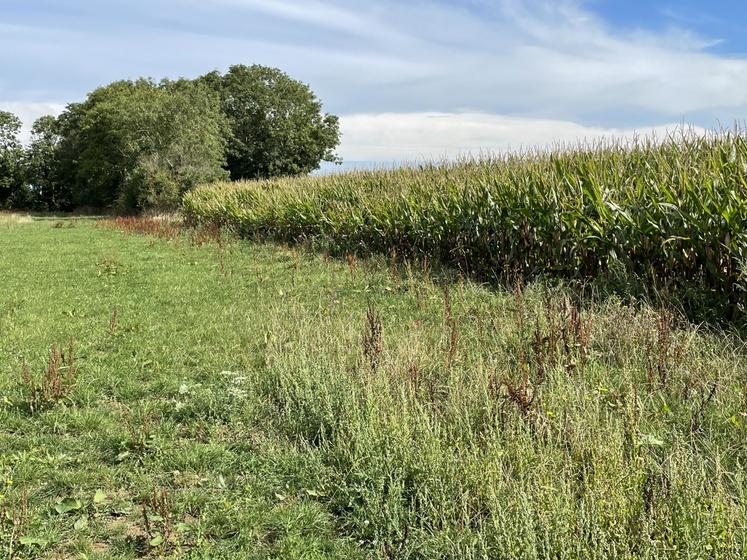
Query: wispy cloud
{"x": 321, "y": 14}
{"x": 536, "y": 60}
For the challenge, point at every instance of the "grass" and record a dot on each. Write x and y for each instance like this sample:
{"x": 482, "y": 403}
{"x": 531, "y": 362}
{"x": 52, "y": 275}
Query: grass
{"x": 671, "y": 216}
{"x": 11, "y": 218}
{"x": 246, "y": 400}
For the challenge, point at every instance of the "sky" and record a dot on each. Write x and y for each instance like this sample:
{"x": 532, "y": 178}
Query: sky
{"x": 410, "y": 80}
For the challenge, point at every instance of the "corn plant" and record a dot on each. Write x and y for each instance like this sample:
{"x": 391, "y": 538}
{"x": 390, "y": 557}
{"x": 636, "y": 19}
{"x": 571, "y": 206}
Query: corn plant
{"x": 671, "y": 213}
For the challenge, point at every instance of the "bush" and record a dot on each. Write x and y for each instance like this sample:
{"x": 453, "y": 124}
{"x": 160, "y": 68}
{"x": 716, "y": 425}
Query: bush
{"x": 135, "y": 145}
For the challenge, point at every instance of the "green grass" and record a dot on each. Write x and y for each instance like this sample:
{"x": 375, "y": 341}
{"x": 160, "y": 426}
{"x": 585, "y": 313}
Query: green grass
{"x": 242, "y": 398}
{"x": 670, "y": 215}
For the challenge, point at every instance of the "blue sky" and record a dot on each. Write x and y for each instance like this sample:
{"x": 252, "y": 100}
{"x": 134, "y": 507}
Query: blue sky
{"x": 720, "y": 21}
{"x": 410, "y": 80}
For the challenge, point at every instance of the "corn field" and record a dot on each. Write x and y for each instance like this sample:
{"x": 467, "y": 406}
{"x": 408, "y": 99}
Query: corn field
{"x": 672, "y": 213}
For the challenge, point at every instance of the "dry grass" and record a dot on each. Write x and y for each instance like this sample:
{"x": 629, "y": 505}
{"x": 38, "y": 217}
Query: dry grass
{"x": 13, "y": 218}
{"x": 155, "y": 226}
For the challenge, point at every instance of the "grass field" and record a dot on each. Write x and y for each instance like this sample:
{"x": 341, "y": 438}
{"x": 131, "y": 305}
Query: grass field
{"x": 213, "y": 398}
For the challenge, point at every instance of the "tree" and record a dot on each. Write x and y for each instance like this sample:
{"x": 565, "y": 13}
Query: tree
{"x": 186, "y": 146}
{"x": 139, "y": 144}
{"x": 11, "y": 160}
{"x": 43, "y": 172}
{"x": 277, "y": 125}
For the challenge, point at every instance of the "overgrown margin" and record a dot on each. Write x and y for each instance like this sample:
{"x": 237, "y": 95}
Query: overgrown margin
{"x": 671, "y": 214}
{"x": 167, "y": 226}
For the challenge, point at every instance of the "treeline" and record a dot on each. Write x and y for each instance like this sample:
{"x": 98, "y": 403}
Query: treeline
{"x": 134, "y": 145}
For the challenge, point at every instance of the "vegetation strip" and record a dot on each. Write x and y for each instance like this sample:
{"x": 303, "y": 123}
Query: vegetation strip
{"x": 669, "y": 216}
{"x": 226, "y": 399}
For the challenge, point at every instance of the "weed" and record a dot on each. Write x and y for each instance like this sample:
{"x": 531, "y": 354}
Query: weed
{"x": 352, "y": 261}
{"x": 54, "y": 384}
{"x": 697, "y": 418}
{"x": 14, "y": 518}
{"x": 157, "y": 519}
{"x": 109, "y": 266}
{"x": 113, "y": 322}
{"x": 372, "y": 339}
{"x": 664, "y": 353}
{"x": 165, "y": 229}
{"x": 452, "y": 329}
{"x": 523, "y": 388}
{"x": 140, "y": 435}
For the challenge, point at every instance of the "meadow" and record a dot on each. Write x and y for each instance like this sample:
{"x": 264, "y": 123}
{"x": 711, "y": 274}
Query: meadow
{"x": 181, "y": 393}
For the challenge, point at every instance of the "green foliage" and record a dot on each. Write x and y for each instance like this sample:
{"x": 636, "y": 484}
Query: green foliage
{"x": 142, "y": 145}
{"x": 50, "y": 191}
{"x": 672, "y": 215}
{"x": 277, "y": 125}
{"x": 133, "y": 145}
{"x": 11, "y": 160}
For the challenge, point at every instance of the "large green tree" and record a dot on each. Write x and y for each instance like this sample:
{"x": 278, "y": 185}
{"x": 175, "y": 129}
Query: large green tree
{"x": 11, "y": 160}
{"x": 141, "y": 144}
{"x": 277, "y": 124}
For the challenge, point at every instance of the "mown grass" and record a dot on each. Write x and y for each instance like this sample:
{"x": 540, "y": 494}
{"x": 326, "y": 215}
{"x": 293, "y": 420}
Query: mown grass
{"x": 244, "y": 400}
{"x": 668, "y": 215}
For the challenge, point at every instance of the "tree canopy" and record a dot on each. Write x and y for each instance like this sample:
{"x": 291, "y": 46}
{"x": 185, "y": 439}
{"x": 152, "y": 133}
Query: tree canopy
{"x": 142, "y": 144}
{"x": 48, "y": 190}
{"x": 11, "y": 159}
{"x": 277, "y": 124}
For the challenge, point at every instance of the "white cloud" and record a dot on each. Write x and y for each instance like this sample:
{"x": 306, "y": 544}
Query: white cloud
{"x": 539, "y": 58}
{"x": 535, "y": 57}
{"x": 29, "y": 112}
{"x": 427, "y": 136}
{"x": 417, "y": 78}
